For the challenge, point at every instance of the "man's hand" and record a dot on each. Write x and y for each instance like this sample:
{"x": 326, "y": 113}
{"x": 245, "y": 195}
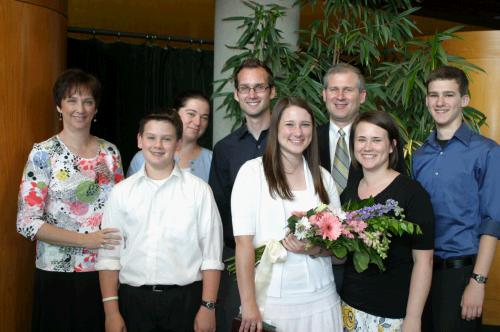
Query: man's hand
{"x": 115, "y": 323}
{"x": 204, "y": 320}
{"x": 472, "y": 300}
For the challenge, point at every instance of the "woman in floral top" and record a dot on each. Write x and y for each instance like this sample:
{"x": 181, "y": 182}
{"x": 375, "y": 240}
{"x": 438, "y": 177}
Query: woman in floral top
{"x": 64, "y": 187}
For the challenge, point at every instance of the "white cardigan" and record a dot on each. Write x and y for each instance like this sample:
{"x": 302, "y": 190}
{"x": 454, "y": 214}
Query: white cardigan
{"x": 255, "y": 212}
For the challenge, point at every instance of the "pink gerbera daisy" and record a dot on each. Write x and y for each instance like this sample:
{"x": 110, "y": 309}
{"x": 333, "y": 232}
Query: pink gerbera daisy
{"x": 330, "y": 227}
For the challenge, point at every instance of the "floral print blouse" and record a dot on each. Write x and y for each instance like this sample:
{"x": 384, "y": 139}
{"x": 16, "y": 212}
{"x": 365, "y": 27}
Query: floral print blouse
{"x": 67, "y": 191}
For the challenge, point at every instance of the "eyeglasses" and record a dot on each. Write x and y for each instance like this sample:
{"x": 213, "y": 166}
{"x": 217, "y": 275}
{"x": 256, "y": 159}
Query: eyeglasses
{"x": 260, "y": 88}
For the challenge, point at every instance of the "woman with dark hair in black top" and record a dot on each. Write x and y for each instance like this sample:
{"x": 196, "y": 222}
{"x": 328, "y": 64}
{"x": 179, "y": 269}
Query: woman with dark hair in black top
{"x": 390, "y": 300}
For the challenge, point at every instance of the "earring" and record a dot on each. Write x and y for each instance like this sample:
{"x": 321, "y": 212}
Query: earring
{"x": 60, "y": 116}
{"x": 95, "y": 115}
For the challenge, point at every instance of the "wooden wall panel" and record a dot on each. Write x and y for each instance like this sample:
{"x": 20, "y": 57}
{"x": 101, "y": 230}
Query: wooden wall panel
{"x": 483, "y": 49}
{"x": 189, "y": 18}
{"x": 32, "y": 54}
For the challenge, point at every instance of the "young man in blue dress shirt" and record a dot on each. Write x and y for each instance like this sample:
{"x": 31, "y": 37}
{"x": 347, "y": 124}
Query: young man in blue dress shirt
{"x": 459, "y": 169}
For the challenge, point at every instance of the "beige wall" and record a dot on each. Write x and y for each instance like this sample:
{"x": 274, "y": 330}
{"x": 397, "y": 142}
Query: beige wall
{"x": 32, "y": 53}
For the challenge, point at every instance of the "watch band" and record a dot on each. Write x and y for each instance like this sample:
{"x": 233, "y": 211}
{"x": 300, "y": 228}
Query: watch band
{"x": 479, "y": 278}
{"x": 210, "y": 305}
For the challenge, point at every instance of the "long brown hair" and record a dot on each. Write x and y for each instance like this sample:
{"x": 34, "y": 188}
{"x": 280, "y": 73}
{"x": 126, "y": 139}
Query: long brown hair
{"x": 273, "y": 166}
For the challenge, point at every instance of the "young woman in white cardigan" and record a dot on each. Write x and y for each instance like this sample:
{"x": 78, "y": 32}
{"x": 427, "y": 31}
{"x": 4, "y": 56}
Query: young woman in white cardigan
{"x": 299, "y": 292}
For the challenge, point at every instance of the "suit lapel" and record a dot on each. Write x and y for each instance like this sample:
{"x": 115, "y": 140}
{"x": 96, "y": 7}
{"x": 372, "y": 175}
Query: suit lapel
{"x": 324, "y": 146}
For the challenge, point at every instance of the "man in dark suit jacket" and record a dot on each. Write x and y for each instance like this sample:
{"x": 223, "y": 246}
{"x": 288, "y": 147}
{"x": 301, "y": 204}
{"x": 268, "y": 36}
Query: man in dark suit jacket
{"x": 343, "y": 93}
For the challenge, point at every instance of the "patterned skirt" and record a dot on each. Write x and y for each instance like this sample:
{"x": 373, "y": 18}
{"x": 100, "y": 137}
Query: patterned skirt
{"x": 359, "y": 321}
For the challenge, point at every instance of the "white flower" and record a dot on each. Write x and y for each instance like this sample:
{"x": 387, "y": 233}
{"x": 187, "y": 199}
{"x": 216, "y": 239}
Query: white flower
{"x": 322, "y": 207}
{"x": 301, "y": 228}
{"x": 339, "y": 213}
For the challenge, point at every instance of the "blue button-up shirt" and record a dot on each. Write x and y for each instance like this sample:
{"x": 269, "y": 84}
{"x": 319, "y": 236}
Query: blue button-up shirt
{"x": 463, "y": 181}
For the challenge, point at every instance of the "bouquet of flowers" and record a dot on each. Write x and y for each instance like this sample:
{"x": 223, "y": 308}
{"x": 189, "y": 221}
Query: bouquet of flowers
{"x": 362, "y": 228}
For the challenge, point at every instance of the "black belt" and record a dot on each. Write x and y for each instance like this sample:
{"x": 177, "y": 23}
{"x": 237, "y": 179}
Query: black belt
{"x": 454, "y": 262}
{"x": 159, "y": 288}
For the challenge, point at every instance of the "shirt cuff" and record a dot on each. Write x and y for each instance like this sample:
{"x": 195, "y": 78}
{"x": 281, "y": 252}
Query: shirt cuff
{"x": 490, "y": 227}
{"x": 108, "y": 264}
{"x": 212, "y": 265}
{"x": 35, "y": 226}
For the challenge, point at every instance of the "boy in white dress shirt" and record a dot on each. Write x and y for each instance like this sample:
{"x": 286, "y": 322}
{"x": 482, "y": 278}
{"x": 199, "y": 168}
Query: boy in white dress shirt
{"x": 165, "y": 275}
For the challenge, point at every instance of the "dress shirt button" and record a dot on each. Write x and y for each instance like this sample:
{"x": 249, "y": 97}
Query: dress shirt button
{"x": 441, "y": 153}
{"x": 437, "y": 173}
{"x": 258, "y": 146}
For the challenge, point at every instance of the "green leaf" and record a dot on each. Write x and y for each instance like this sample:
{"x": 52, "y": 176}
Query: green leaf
{"x": 340, "y": 252}
{"x": 361, "y": 260}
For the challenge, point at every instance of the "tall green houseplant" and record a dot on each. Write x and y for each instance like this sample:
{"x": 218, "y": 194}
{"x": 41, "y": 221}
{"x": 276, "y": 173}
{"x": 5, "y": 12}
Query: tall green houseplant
{"x": 378, "y": 36}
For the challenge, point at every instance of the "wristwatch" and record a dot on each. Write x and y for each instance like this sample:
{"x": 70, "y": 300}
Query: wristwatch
{"x": 210, "y": 305}
{"x": 479, "y": 278}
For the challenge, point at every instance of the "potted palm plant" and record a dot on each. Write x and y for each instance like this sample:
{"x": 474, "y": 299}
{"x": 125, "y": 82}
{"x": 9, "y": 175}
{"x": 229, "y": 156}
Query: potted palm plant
{"x": 378, "y": 36}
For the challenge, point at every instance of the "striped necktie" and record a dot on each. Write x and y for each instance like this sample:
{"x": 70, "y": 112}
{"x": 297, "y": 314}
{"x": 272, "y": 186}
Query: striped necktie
{"x": 340, "y": 167}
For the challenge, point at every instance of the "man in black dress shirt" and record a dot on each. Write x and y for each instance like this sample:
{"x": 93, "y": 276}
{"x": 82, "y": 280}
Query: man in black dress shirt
{"x": 343, "y": 93}
{"x": 254, "y": 89}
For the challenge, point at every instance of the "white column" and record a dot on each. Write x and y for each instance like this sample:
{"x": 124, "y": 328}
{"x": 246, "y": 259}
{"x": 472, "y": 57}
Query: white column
{"x": 226, "y": 33}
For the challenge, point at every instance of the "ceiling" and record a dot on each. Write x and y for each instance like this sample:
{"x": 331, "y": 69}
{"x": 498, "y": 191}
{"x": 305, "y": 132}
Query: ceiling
{"x": 484, "y": 13}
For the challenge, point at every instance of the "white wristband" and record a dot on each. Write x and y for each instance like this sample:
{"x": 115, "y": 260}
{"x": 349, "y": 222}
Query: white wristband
{"x": 111, "y": 298}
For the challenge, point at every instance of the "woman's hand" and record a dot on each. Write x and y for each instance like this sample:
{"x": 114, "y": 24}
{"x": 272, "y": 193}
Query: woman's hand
{"x": 251, "y": 320}
{"x": 411, "y": 324}
{"x": 106, "y": 238}
{"x": 291, "y": 244}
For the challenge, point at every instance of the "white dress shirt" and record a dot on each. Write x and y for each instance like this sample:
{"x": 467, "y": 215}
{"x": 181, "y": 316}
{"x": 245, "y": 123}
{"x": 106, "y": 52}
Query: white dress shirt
{"x": 334, "y": 137}
{"x": 171, "y": 230}
{"x": 256, "y": 213}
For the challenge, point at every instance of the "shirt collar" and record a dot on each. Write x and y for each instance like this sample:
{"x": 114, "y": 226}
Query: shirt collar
{"x": 242, "y": 131}
{"x": 335, "y": 129}
{"x": 176, "y": 171}
{"x": 463, "y": 134}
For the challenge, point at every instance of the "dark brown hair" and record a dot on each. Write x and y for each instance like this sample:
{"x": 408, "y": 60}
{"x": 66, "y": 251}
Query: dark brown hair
{"x": 167, "y": 115}
{"x": 273, "y": 166}
{"x": 182, "y": 98}
{"x": 450, "y": 73}
{"x": 385, "y": 121}
{"x": 76, "y": 80}
{"x": 252, "y": 63}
